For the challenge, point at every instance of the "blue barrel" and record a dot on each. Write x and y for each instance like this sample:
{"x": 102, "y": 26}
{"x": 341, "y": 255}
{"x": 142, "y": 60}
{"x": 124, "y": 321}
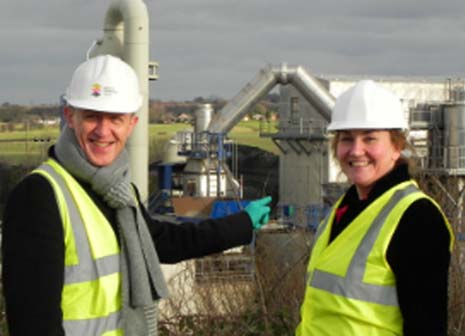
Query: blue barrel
{"x": 224, "y": 208}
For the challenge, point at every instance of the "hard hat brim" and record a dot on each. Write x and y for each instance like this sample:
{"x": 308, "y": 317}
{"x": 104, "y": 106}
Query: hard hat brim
{"x": 109, "y": 108}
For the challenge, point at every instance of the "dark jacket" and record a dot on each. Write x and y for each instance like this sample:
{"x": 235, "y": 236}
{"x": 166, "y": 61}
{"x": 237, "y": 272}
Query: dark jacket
{"x": 418, "y": 255}
{"x": 33, "y": 251}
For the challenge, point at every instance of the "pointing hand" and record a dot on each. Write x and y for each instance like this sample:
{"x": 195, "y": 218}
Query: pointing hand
{"x": 259, "y": 212}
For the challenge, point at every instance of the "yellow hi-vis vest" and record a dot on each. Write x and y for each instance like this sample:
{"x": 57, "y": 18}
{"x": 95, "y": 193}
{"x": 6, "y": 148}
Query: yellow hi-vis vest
{"x": 91, "y": 297}
{"x": 351, "y": 289}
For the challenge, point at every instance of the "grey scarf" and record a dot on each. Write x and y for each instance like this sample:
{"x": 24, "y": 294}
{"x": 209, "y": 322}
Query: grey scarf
{"x": 140, "y": 265}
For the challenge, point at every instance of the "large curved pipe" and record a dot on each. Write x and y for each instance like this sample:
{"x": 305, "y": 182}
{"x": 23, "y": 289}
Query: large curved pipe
{"x": 313, "y": 91}
{"x": 263, "y": 83}
{"x": 126, "y": 35}
{"x": 237, "y": 107}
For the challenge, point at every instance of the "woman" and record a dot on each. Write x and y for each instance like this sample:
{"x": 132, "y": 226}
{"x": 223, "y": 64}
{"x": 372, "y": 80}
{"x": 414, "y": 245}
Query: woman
{"x": 380, "y": 261}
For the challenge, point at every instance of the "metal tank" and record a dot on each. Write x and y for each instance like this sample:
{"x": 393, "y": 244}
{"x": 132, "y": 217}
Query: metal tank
{"x": 200, "y": 139}
{"x": 200, "y": 179}
{"x": 454, "y": 136}
{"x": 203, "y": 116}
{"x": 458, "y": 94}
{"x": 170, "y": 153}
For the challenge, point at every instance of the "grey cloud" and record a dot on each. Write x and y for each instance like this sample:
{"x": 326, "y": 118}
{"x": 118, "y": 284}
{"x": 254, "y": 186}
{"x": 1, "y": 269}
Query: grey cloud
{"x": 214, "y": 47}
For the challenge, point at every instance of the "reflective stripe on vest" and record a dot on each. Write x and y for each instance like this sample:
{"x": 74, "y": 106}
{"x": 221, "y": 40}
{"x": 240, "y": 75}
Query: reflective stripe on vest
{"x": 352, "y": 285}
{"x": 351, "y": 289}
{"x": 88, "y": 272}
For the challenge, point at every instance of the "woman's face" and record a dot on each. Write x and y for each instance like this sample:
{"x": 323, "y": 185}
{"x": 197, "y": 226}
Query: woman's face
{"x": 365, "y": 156}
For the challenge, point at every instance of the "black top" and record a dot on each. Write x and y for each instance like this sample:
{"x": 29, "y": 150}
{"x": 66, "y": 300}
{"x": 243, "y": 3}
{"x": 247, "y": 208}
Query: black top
{"x": 418, "y": 255}
{"x": 33, "y": 251}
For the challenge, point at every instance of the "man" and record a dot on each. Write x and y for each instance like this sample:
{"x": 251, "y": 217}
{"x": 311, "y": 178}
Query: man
{"x": 81, "y": 255}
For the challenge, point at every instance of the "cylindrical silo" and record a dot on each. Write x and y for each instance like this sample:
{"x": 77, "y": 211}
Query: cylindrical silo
{"x": 203, "y": 116}
{"x": 454, "y": 135}
{"x": 170, "y": 153}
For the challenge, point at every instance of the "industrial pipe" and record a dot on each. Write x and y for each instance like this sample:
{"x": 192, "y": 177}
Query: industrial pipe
{"x": 263, "y": 83}
{"x": 126, "y": 35}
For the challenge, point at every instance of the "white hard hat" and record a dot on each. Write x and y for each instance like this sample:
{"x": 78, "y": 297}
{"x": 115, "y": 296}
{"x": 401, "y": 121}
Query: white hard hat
{"x": 367, "y": 105}
{"x": 105, "y": 83}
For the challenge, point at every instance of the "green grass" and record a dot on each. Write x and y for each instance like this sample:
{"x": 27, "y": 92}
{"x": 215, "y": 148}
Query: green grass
{"x": 20, "y": 146}
{"x": 31, "y": 134}
{"x": 164, "y": 132}
{"x": 247, "y": 133}
{"x": 14, "y": 149}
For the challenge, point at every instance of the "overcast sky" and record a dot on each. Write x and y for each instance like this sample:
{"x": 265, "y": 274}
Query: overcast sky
{"x": 214, "y": 47}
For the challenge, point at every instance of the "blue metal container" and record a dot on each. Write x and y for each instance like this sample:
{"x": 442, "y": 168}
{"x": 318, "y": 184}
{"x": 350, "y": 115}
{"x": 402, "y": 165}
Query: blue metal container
{"x": 225, "y": 208}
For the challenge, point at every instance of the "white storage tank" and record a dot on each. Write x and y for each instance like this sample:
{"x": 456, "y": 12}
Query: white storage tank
{"x": 203, "y": 116}
{"x": 454, "y": 135}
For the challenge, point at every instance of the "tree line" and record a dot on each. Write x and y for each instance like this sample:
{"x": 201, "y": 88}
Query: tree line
{"x": 159, "y": 111}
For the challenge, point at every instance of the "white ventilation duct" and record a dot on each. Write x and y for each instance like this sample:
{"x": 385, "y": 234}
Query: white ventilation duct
{"x": 126, "y": 35}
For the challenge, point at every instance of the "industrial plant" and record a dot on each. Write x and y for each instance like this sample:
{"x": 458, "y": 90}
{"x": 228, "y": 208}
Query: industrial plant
{"x": 198, "y": 176}
{"x": 433, "y": 107}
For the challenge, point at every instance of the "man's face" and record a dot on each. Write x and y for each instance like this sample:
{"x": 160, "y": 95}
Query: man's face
{"x": 101, "y": 135}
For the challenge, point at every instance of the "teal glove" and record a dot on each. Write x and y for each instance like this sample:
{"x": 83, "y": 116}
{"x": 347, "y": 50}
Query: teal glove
{"x": 259, "y": 212}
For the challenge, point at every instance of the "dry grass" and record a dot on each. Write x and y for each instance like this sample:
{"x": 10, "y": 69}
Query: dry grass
{"x": 449, "y": 192}
{"x": 267, "y": 304}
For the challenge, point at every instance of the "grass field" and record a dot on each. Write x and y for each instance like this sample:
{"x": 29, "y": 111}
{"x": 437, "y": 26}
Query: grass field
{"x": 30, "y": 146}
{"x": 244, "y": 133}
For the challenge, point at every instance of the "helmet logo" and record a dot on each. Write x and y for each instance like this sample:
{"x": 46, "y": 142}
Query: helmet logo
{"x": 109, "y": 91}
{"x": 96, "y": 90}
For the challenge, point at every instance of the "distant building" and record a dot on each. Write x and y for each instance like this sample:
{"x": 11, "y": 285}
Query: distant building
{"x": 49, "y": 122}
{"x": 184, "y": 118}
